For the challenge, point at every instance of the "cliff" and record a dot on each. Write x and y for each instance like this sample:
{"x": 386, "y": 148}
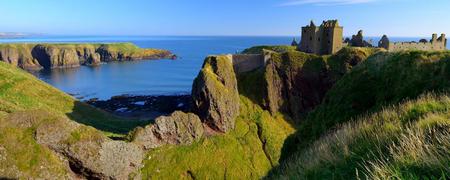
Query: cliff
{"x": 38, "y": 56}
{"x": 384, "y": 118}
{"x": 295, "y": 83}
{"x": 361, "y": 113}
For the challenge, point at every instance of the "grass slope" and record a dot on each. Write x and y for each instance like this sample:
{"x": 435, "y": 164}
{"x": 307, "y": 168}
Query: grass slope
{"x": 383, "y": 79}
{"x": 20, "y": 91}
{"x": 408, "y": 141}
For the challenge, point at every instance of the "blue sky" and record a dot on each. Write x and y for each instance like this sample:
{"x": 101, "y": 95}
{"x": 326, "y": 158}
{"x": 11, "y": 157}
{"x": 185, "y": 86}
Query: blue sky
{"x": 222, "y": 17}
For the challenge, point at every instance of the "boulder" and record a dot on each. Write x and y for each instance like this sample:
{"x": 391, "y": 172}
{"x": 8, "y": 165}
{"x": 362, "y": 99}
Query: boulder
{"x": 88, "y": 152}
{"x": 215, "y": 94}
{"x": 178, "y": 129}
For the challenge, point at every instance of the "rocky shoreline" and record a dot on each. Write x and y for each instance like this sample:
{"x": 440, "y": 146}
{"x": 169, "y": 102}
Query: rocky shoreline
{"x": 143, "y": 107}
{"x": 50, "y": 56}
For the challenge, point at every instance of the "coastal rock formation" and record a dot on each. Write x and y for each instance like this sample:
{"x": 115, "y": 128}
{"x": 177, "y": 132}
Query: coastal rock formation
{"x": 47, "y": 56}
{"x": 178, "y": 128}
{"x": 52, "y": 57}
{"x": 18, "y": 55}
{"x": 215, "y": 94}
{"x": 297, "y": 82}
{"x": 87, "y": 151}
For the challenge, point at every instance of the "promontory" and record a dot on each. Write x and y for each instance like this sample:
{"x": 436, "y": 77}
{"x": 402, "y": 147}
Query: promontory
{"x": 48, "y": 56}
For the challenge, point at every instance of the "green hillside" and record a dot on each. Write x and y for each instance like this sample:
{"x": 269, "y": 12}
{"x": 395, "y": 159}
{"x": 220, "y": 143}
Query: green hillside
{"x": 383, "y": 115}
{"x": 20, "y": 91}
{"x": 365, "y": 129}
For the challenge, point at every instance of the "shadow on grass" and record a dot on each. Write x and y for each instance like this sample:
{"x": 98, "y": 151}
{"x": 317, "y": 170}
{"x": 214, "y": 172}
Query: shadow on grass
{"x": 104, "y": 121}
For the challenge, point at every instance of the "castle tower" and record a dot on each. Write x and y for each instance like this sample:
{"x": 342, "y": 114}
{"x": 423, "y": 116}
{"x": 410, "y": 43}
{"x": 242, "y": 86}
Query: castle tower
{"x": 443, "y": 38}
{"x": 325, "y": 39}
{"x": 434, "y": 38}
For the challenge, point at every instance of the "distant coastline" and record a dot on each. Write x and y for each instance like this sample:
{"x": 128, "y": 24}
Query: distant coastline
{"x": 62, "y": 55}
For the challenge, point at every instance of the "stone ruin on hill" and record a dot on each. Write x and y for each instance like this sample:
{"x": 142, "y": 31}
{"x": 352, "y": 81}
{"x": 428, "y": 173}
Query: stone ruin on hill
{"x": 328, "y": 39}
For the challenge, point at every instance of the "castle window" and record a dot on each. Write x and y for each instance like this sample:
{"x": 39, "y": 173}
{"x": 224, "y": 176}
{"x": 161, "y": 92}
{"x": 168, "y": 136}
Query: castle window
{"x": 329, "y": 42}
{"x": 318, "y": 39}
{"x": 310, "y": 38}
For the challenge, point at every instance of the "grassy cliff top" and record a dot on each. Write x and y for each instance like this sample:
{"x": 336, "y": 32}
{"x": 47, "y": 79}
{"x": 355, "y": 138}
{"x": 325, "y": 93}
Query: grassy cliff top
{"x": 124, "y": 48}
{"x": 260, "y": 49}
{"x": 20, "y": 91}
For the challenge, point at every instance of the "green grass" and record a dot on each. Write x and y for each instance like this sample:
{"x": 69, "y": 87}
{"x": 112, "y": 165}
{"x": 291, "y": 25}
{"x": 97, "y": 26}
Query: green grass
{"x": 20, "y": 91}
{"x": 260, "y": 49}
{"x": 248, "y": 152}
{"x": 130, "y": 50}
{"x": 20, "y": 153}
{"x": 27, "y": 103}
{"x": 363, "y": 140}
{"x": 365, "y": 127}
{"x": 383, "y": 79}
{"x": 381, "y": 146}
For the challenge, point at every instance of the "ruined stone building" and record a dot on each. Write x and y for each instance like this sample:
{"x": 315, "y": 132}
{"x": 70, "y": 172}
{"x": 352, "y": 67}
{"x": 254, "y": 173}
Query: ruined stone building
{"x": 358, "y": 40}
{"x": 435, "y": 44}
{"x": 324, "y": 39}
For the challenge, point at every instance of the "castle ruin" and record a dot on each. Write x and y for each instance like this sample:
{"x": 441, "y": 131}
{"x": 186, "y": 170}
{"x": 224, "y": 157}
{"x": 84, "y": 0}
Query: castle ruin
{"x": 358, "y": 40}
{"x": 324, "y": 39}
{"x": 328, "y": 39}
{"x": 435, "y": 44}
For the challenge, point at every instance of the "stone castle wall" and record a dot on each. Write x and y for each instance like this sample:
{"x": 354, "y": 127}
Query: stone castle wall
{"x": 400, "y": 46}
{"x": 248, "y": 62}
{"x": 435, "y": 44}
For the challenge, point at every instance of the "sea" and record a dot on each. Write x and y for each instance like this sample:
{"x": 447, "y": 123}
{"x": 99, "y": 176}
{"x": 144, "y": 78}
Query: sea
{"x": 146, "y": 77}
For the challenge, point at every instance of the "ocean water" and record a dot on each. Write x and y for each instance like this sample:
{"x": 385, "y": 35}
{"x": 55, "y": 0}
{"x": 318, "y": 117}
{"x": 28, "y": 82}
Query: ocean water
{"x": 147, "y": 77}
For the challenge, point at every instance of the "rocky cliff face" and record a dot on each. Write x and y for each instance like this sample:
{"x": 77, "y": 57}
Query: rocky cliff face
{"x": 296, "y": 82}
{"x": 38, "y": 56}
{"x": 215, "y": 94}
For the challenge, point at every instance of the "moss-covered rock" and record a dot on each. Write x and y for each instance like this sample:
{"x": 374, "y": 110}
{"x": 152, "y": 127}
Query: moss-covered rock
{"x": 178, "y": 128}
{"x": 215, "y": 94}
{"x": 39, "y": 137}
{"x": 296, "y": 82}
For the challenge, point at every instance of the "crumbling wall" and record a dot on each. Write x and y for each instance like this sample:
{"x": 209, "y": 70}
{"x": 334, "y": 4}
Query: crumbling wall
{"x": 435, "y": 44}
{"x": 400, "y": 46}
{"x": 247, "y": 62}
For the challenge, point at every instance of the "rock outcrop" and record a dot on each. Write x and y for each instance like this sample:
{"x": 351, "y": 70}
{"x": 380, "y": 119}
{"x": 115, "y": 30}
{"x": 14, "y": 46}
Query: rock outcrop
{"x": 215, "y": 94}
{"x": 177, "y": 129}
{"x": 38, "y": 56}
{"x": 88, "y": 152}
{"x": 295, "y": 82}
